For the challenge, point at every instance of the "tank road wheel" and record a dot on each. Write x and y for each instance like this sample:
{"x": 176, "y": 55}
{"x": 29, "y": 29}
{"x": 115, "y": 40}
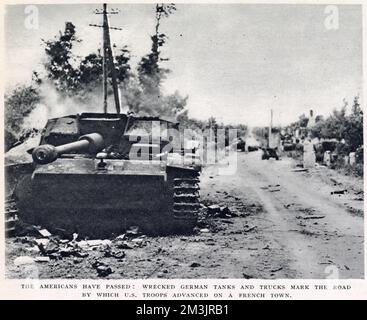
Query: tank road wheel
{"x": 186, "y": 203}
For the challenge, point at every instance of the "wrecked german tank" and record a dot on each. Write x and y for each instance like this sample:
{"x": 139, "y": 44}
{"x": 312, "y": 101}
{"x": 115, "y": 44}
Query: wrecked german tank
{"x": 99, "y": 173}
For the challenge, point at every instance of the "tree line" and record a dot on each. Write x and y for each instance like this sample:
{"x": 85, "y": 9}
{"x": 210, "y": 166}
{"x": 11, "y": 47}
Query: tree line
{"x": 342, "y": 124}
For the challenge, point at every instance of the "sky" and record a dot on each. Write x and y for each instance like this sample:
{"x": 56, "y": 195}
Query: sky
{"x": 234, "y": 61}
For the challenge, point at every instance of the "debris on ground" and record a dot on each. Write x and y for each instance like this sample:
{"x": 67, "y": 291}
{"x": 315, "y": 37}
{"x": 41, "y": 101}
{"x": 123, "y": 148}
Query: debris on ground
{"x": 210, "y": 242}
{"x": 77, "y": 260}
{"x": 130, "y": 240}
{"x": 195, "y": 265}
{"x": 217, "y": 211}
{"x": 42, "y": 242}
{"x": 271, "y": 187}
{"x": 310, "y": 217}
{"x": 277, "y": 269}
{"x": 119, "y": 255}
{"x": 48, "y": 247}
{"x": 287, "y": 206}
{"x": 249, "y": 229}
{"x": 132, "y": 232}
{"x": 300, "y": 170}
{"x": 120, "y": 244}
{"x": 69, "y": 251}
{"x": 308, "y": 211}
{"x": 227, "y": 221}
{"x": 44, "y": 233}
{"x": 214, "y": 208}
{"x": 139, "y": 242}
{"x": 34, "y": 249}
{"x": 42, "y": 259}
{"x": 102, "y": 269}
{"x": 90, "y": 244}
{"x": 339, "y": 191}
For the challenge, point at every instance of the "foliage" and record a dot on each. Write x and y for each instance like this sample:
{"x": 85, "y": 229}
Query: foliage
{"x": 150, "y": 72}
{"x": 353, "y": 134}
{"x": 18, "y": 104}
{"x": 75, "y": 76}
{"x": 58, "y": 66}
{"x": 342, "y": 126}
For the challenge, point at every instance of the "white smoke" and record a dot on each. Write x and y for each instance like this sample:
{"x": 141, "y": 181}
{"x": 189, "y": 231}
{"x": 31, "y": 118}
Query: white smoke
{"x": 54, "y": 105}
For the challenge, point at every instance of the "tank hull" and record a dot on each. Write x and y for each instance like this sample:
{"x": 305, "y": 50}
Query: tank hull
{"x": 73, "y": 195}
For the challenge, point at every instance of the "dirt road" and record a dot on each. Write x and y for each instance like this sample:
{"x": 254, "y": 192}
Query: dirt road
{"x": 287, "y": 225}
{"x": 303, "y": 230}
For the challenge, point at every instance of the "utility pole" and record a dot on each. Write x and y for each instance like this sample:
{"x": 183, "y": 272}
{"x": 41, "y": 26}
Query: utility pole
{"x": 108, "y": 62}
{"x": 270, "y": 127}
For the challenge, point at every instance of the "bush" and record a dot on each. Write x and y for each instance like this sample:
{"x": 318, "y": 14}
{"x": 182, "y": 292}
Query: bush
{"x": 19, "y": 104}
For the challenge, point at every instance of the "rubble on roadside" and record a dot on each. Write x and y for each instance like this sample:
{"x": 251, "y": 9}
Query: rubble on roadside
{"x": 217, "y": 211}
{"x": 102, "y": 269}
{"x": 45, "y": 247}
{"x": 271, "y": 187}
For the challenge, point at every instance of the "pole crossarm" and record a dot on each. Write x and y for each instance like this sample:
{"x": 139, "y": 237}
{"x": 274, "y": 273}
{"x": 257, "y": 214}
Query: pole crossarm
{"x": 99, "y": 26}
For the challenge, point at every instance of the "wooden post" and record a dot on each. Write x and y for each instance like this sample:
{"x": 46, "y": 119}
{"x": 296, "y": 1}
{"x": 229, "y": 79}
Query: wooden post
{"x": 111, "y": 65}
{"x": 108, "y": 62}
{"x": 104, "y": 65}
{"x": 270, "y": 127}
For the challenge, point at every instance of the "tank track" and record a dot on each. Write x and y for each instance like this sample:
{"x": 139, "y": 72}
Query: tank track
{"x": 186, "y": 198}
{"x": 11, "y": 215}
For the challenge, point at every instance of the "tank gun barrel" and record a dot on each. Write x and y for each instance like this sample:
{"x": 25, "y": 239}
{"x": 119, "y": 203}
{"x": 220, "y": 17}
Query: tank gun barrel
{"x": 48, "y": 153}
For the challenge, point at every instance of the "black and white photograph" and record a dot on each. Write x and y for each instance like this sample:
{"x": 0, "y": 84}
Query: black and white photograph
{"x": 183, "y": 141}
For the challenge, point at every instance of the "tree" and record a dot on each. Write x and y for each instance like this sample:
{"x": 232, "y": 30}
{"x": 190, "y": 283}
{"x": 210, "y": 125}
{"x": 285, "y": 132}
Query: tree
{"x": 18, "y": 105}
{"x": 77, "y": 76}
{"x": 303, "y": 121}
{"x": 342, "y": 126}
{"x": 59, "y": 55}
{"x": 353, "y": 134}
{"x": 150, "y": 73}
{"x": 145, "y": 96}
{"x": 335, "y": 125}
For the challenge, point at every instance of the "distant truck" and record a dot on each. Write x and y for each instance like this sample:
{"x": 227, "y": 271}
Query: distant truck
{"x": 241, "y": 144}
{"x": 269, "y": 153}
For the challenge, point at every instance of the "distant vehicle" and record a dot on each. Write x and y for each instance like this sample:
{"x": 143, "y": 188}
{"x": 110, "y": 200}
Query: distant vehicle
{"x": 269, "y": 153}
{"x": 241, "y": 145}
{"x": 252, "y": 144}
{"x": 252, "y": 148}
